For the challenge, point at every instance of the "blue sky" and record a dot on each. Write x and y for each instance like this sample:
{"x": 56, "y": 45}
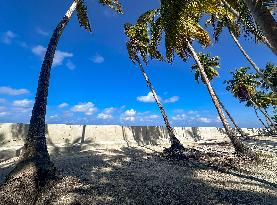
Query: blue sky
{"x": 94, "y": 82}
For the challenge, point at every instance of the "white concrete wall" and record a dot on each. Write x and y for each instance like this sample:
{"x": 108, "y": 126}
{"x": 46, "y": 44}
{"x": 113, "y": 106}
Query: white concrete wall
{"x": 59, "y": 135}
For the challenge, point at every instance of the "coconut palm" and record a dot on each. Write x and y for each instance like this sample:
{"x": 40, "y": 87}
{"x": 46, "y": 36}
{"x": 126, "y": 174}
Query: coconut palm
{"x": 256, "y": 17}
{"x": 35, "y": 167}
{"x": 226, "y": 19}
{"x": 137, "y": 48}
{"x": 261, "y": 13}
{"x": 178, "y": 21}
{"x": 247, "y": 88}
{"x": 211, "y": 65}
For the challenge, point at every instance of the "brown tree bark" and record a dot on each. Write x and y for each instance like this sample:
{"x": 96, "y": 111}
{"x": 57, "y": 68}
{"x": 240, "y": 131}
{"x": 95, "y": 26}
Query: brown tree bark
{"x": 35, "y": 168}
{"x": 256, "y": 68}
{"x": 236, "y": 142}
{"x": 173, "y": 139}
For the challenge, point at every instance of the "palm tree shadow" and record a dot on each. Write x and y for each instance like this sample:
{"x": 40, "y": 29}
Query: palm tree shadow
{"x": 147, "y": 135}
{"x": 132, "y": 176}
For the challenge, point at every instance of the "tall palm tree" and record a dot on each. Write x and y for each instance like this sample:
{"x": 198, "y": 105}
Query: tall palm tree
{"x": 253, "y": 64}
{"x": 211, "y": 64}
{"x": 239, "y": 146}
{"x": 264, "y": 19}
{"x": 136, "y": 47}
{"x": 35, "y": 165}
{"x": 179, "y": 22}
{"x": 230, "y": 20}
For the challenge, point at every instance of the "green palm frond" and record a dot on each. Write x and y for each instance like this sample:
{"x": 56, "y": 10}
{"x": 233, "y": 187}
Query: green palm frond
{"x": 210, "y": 64}
{"x": 114, "y": 4}
{"x": 82, "y": 15}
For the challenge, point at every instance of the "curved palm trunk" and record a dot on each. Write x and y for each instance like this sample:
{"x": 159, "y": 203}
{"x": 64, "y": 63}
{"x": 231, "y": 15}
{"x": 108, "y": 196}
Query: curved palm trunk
{"x": 265, "y": 20}
{"x": 35, "y": 167}
{"x": 237, "y": 15}
{"x": 237, "y": 143}
{"x": 174, "y": 141}
{"x": 257, "y": 69}
{"x": 231, "y": 118}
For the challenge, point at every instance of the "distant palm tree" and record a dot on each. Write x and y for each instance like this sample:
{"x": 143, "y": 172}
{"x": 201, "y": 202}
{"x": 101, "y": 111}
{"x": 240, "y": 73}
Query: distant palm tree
{"x": 35, "y": 162}
{"x": 253, "y": 64}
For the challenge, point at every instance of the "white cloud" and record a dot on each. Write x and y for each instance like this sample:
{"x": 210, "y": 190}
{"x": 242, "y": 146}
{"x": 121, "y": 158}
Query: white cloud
{"x": 104, "y": 116}
{"x": 109, "y": 110}
{"x": 147, "y": 99}
{"x": 179, "y": 117}
{"x": 60, "y": 56}
{"x": 3, "y": 113}
{"x": 8, "y": 36}
{"x": 25, "y": 103}
{"x": 70, "y": 65}
{"x": 129, "y": 115}
{"x": 204, "y": 120}
{"x": 39, "y": 51}
{"x": 63, "y": 105}
{"x": 12, "y": 91}
{"x": 86, "y": 108}
{"x": 172, "y": 99}
{"x": 150, "y": 117}
{"x": 98, "y": 59}
{"x": 42, "y": 32}
{"x": 192, "y": 112}
{"x": 150, "y": 99}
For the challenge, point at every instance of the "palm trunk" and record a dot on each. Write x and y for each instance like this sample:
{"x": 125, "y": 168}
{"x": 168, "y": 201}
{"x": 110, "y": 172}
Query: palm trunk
{"x": 174, "y": 141}
{"x": 35, "y": 167}
{"x": 267, "y": 117}
{"x": 265, "y": 20}
{"x": 231, "y": 118}
{"x": 269, "y": 131}
{"x": 257, "y": 69}
{"x": 237, "y": 143}
{"x": 253, "y": 30}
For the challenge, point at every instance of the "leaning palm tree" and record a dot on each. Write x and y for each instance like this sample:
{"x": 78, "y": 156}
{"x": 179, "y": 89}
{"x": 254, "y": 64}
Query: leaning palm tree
{"x": 224, "y": 18}
{"x": 244, "y": 14}
{"x": 178, "y": 22}
{"x": 211, "y": 65}
{"x": 35, "y": 168}
{"x": 135, "y": 49}
{"x": 260, "y": 10}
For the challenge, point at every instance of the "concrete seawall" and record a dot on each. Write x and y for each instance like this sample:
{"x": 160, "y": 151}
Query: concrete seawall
{"x": 12, "y": 136}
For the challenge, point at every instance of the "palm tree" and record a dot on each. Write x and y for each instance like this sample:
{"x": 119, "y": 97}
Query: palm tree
{"x": 245, "y": 86}
{"x": 264, "y": 19}
{"x": 179, "y": 21}
{"x": 211, "y": 65}
{"x": 35, "y": 166}
{"x": 175, "y": 143}
{"x": 237, "y": 143}
{"x": 257, "y": 69}
{"x": 134, "y": 49}
{"x": 230, "y": 19}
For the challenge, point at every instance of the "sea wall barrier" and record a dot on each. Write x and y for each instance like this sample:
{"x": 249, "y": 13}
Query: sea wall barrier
{"x": 12, "y": 136}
